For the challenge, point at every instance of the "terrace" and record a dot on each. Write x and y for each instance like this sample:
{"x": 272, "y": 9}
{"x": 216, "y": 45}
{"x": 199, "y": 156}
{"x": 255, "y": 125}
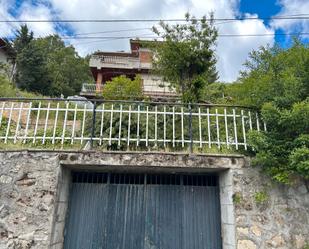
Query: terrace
{"x": 120, "y": 62}
{"x": 152, "y": 91}
{"x": 125, "y": 126}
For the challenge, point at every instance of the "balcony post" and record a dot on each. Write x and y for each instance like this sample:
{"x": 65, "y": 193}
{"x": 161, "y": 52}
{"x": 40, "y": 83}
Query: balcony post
{"x": 99, "y": 82}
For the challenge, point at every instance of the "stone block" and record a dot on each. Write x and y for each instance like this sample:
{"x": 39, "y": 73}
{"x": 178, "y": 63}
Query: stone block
{"x": 276, "y": 241}
{"x": 256, "y": 230}
{"x": 5, "y": 179}
{"x": 246, "y": 244}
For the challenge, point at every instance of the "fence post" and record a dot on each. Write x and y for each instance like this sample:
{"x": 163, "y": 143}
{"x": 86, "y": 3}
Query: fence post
{"x": 93, "y": 124}
{"x": 190, "y": 128}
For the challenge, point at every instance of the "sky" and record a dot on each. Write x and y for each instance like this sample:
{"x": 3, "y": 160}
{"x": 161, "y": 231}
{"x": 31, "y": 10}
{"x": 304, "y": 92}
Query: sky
{"x": 231, "y": 52}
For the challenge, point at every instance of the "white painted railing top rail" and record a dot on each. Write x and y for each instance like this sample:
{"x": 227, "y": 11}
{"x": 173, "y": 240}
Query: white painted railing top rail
{"x": 121, "y": 125}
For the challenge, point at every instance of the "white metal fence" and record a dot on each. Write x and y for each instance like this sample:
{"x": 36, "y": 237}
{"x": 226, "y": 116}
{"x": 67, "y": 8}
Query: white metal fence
{"x": 125, "y": 125}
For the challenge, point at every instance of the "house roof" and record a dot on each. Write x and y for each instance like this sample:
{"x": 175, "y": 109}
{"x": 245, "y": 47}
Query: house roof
{"x": 134, "y": 43}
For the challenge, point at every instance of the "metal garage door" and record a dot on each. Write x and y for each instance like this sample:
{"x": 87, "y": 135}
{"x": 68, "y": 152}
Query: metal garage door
{"x": 139, "y": 211}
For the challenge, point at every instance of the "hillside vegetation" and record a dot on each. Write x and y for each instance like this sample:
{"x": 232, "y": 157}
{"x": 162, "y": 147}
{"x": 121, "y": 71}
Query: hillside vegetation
{"x": 276, "y": 81}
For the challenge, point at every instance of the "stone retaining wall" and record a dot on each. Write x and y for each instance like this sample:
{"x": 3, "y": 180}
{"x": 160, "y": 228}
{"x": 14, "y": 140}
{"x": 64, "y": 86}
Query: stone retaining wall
{"x": 256, "y": 213}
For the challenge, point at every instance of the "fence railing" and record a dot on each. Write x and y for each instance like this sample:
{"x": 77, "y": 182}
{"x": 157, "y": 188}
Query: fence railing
{"x": 123, "y": 125}
{"x": 112, "y": 61}
{"x": 91, "y": 88}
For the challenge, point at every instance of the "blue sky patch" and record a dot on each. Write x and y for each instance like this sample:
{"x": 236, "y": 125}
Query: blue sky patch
{"x": 264, "y": 8}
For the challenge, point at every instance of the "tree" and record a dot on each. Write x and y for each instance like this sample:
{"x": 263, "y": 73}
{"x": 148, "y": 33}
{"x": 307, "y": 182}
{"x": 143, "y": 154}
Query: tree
{"x": 67, "y": 71}
{"x": 31, "y": 65}
{"x": 123, "y": 88}
{"x": 186, "y": 56}
{"x": 23, "y": 38}
{"x": 277, "y": 82}
{"x": 47, "y": 66}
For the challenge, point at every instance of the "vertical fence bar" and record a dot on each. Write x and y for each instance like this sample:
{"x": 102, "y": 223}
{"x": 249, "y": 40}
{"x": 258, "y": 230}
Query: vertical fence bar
{"x": 243, "y": 128}
{"x": 18, "y": 121}
{"x": 235, "y": 128}
{"x": 129, "y": 126}
{"x": 2, "y": 111}
{"x": 137, "y": 130}
{"x": 182, "y": 129}
{"x": 74, "y": 123}
{"x": 173, "y": 126}
{"x": 208, "y": 127}
{"x": 46, "y": 122}
{"x": 190, "y": 128}
{"x": 9, "y": 123}
{"x": 55, "y": 123}
{"x": 226, "y": 129}
{"x": 147, "y": 126}
{"x": 111, "y": 126}
{"x": 200, "y": 126}
{"x": 93, "y": 123}
{"x": 64, "y": 123}
{"x": 27, "y": 122}
{"x": 36, "y": 122}
{"x": 257, "y": 121}
{"x": 156, "y": 126}
{"x": 164, "y": 126}
{"x": 250, "y": 120}
{"x": 83, "y": 124}
{"x": 217, "y": 127}
{"x": 120, "y": 120}
{"x": 102, "y": 124}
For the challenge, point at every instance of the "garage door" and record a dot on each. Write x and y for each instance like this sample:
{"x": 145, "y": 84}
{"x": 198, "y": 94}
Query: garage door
{"x": 143, "y": 211}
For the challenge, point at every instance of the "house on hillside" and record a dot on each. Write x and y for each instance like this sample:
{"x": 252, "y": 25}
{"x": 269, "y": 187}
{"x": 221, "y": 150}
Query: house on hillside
{"x": 106, "y": 65}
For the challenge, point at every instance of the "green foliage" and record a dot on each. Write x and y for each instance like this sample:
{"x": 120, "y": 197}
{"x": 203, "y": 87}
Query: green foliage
{"x": 261, "y": 197}
{"x": 284, "y": 149}
{"x": 31, "y": 66}
{"x": 277, "y": 81}
{"x": 216, "y": 93}
{"x": 23, "y": 38}
{"x": 123, "y": 88}
{"x": 273, "y": 75}
{"x": 5, "y": 70}
{"x": 47, "y": 66}
{"x": 186, "y": 57}
{"x": 66, "y": 70}
{"x": 237, "y": 198}
{"x": 8, "y": 90}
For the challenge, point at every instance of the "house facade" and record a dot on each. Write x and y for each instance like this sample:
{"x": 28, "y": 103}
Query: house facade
{"x": 106, "y": 65}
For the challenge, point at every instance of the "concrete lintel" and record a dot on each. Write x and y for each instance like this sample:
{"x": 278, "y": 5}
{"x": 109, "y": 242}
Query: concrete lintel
{"x": 150, "y": 160}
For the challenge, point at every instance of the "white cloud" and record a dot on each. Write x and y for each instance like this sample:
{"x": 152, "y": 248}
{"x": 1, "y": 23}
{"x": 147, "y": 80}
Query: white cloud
{"x": 231, "y": 52}
{"x": 6, "y": 29}
{"x": 37, "y": 12}
{"x": 27, "y": 11}
{"x": 292, "y": 7}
